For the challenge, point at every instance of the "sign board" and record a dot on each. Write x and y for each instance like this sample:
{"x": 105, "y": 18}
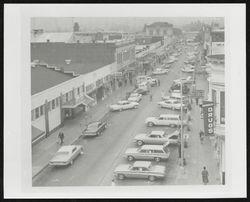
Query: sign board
{"x": 208, "y": 117}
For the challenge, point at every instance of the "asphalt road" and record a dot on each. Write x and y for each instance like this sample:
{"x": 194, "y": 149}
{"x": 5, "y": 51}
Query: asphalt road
{"x": 102, "y": 154}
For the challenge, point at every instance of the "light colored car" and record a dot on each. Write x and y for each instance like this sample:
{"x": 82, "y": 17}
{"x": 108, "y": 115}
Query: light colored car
{"x": 155, "y": 137}
{"x": 184, "y": 80}
{"x": 171, "y": 104}
{"x": 148, "y": 152}
{"x": 187, "y": 69}
{"x": 151, "y": 81}
{"x": 66, "y": 155}
{"x": 123, "y": 105}
{"x": 172, "y": 120}
{"x": 135, "y": 97}
{"x": 140, "y": 169}
{"x": 160, "y": 71}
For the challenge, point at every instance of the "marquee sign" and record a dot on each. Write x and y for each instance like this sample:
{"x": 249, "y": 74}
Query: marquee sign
{"x": 208, "y": 117}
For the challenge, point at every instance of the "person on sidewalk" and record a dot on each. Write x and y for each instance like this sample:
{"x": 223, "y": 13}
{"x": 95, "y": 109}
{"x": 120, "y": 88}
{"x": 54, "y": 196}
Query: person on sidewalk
{"x": 204, "y": 175}
{"x": 201, "y": 136}
{"x": 61, "y": 137}
{"x": 197, "y": 100}
{"x": 151, "y": 97}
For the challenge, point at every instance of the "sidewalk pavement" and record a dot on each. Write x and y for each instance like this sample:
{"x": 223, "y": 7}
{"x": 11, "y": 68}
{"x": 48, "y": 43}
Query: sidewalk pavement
{"x": 196, "y": 154}
{"x": 43, "y": 151}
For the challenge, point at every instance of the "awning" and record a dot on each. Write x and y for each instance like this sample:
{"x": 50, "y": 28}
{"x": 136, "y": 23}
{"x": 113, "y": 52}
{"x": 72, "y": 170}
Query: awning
{"x": 36, "y": 133}
{"x": 85, "y": 100}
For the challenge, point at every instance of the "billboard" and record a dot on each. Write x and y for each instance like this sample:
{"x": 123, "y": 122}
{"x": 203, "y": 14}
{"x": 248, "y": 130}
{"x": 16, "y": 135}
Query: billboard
{"x": 208, "y": 117}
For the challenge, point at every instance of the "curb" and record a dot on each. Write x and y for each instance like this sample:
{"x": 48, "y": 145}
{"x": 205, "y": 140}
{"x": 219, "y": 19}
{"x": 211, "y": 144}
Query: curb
{"x": 104, "y": 117}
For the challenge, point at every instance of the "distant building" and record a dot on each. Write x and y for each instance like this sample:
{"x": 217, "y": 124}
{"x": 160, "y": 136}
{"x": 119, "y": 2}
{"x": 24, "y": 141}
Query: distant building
{"x": 159, "y": 29}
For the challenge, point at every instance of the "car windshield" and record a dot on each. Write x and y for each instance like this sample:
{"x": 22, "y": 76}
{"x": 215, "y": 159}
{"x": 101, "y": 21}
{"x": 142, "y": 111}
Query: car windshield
{"x": 62, "y": 153}
{"x": 166, "y": 149}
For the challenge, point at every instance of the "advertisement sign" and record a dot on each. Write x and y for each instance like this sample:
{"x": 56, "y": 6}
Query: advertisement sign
{"x": 208, "y": 117}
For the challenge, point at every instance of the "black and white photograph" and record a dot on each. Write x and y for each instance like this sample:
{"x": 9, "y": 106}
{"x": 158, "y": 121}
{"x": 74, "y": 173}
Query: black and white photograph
{"x": 117, "y": 100}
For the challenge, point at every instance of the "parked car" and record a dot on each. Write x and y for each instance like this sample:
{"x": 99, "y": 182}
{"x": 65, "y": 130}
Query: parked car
{"x": 152, "y": 81}
{"x": 66, "y": 155}
{"x": 172, "y": 104}
{"x": 141, "y": 91}
{"x": 172, "y": 120}
{"x": 95, "y": 128}
{"x": 155, "y": 137}
{"x": 187, "y": 69}
{"x": 148, "y": 152}
{"x": 135, "y": 97}
{"x": 140, "y": 169}
{"x": 177, "y": 86}
{"x": 185, "y": 80}
{"x": 176, "y": 96}
{"x": 123, "y": 104}
{"x": 158, "y": 71}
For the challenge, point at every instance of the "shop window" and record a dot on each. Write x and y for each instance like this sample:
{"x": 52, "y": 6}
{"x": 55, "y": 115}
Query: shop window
{"x": 41, "y": 110}
{"x": 49, "y": 106}
{"x": 53, "y": 104}
{"x": 37, "y": 113}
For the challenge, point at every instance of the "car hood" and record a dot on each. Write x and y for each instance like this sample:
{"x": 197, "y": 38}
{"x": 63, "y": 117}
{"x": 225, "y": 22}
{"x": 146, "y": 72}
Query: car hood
{"x": 131, "y": 150}
{"x": 140, "y": 136}
{"x": 59, "y": 158}
{"x": 124, "y": 167}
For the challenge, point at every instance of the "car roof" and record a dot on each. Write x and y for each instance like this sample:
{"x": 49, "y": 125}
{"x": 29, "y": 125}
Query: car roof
{"x": 123, "y": 101}
{"x": 142, "y": 164}
{"x": 66, "y": 148}
{"x": 148, "y": 146}
{"x": 94, "y": 123}
{"x": 170, "y": 115}
{"x": 157, "y": 132}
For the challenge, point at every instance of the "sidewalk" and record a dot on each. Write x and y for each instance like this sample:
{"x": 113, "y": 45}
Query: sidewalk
{"x": 198, "y": 155}
{"x": 43, "y": 151}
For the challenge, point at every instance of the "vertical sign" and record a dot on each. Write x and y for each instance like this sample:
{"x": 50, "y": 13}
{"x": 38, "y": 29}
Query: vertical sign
{"x": 208, "y": 117}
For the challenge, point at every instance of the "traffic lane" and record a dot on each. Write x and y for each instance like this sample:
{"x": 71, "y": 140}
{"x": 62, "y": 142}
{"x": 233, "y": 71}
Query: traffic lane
{"x": 56, "y": 176}
{"x": 92, "y": 163}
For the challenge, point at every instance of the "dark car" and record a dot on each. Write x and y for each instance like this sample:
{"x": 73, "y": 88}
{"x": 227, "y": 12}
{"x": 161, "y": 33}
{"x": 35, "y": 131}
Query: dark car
{"x": 141, "y": 91}
{"x": 177, "y": 86}
{"x": 95, "y": 128}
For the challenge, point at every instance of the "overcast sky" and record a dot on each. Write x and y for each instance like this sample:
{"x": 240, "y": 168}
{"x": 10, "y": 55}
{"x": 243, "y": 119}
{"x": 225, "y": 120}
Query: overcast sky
{"x": 116, "y": 24}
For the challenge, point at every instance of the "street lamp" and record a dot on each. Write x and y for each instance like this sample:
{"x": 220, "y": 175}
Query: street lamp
{"x": 182, "y": 140}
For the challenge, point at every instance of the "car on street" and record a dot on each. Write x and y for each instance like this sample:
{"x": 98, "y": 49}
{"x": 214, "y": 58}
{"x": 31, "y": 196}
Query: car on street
{"x": 95, "y": 128}
{"x": 151, "y": 81}
{"x": 148, "y": 152}
{"x": 187, "y": 69}
{"x": 172, "y": 120}
{"x": 123, "y": 105}
{"x": 140, "y": 169}
{"x": 155, "y": 137}
{"x": 172, "y": 104}
{"x": 158, "y": 71}
{"x": 177, "y": 86}
{"x": 141, "y": 91}
{"x": 135, "y": 97}
{"x": 184, "y": 80}
{"x": 66, "y": 155}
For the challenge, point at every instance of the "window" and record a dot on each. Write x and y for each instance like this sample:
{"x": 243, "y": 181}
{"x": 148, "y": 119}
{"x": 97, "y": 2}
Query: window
{"x": 32, "y": 115}
{"x": 67, "y": 97}
{"x": 83, "y": 88}
{"x": 78, "y": 91}
{"x": 57, "y": 102}
{"x": 41, "y": 110}
{"x": 37, "y": 112}
{"x": 53, "y": 104}
{"x": 222, "y": 107}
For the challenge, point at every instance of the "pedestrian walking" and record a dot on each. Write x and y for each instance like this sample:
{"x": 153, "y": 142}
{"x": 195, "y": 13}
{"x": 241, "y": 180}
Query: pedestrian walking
{"x": 113, "y": 182}
{"x": 204, "y": 175}
{"x": 159, "y": 82}
{"x": 61, "y": 137}
{"x": 197, "y": 100}
{"x": 151, "y": 97}
{"x": 189, "y": 107}
{"x": 201, "y": 136}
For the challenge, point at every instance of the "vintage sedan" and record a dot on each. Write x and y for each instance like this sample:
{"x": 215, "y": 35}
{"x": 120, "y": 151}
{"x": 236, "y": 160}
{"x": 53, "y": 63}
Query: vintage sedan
{"x": 172, "y": 104}
{"x": 148, "y": 152}
{"x": 95, "y": 128}
{"x": 140, "y": 169}
{"x": 123, "y": 105}
{"x": 135, "y": 97}
{"x": 187, "y": 69}
{"x": 155, "y": 137}
{"x": 66, "y": 155}
{"x": 185, "y": 80}
{"x": 158, "y": 71}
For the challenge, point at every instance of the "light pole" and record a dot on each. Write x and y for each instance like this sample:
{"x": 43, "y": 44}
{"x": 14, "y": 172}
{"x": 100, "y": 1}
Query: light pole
{"x": 182, "y": 141}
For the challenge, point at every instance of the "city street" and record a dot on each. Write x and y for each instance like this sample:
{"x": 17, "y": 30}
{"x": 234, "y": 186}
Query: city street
{"x": 102, "y": 154}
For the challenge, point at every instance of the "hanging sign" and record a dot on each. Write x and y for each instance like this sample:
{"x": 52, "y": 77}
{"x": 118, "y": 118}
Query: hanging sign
{"x": 208, "y": 117}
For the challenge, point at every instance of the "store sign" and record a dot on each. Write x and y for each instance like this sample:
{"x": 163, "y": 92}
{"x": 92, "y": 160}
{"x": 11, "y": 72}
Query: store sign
{"x": 208, "y": 117}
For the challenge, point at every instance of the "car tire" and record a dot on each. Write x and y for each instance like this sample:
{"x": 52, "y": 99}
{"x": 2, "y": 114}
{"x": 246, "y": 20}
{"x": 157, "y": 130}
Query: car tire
{"x": 151, "y": 178}
{"x": 157, "y": 159}
{"x": 121, "y": 176}
{"x": 150, "y": 124}
{"x": 130, "y": 158}
{"x": 139, "y": 142}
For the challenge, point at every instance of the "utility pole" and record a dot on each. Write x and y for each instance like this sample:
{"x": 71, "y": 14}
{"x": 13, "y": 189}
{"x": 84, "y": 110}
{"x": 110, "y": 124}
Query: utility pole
{"x": 182, "y": 142}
